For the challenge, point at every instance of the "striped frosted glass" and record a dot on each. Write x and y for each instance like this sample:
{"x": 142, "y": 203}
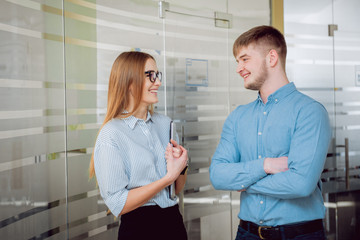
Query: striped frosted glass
{"x": 55, "y": 63}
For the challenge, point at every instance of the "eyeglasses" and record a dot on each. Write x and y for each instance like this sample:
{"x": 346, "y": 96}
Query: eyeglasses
{"x": 154, "y": 75}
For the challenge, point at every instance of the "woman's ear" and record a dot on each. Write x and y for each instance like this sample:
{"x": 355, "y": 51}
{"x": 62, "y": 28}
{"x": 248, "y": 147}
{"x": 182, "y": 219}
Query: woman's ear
{"x": 273, "y": 58}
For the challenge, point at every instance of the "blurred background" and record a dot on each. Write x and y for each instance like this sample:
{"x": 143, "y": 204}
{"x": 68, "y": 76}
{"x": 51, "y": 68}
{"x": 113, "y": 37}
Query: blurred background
{"x": 55, "y": 61}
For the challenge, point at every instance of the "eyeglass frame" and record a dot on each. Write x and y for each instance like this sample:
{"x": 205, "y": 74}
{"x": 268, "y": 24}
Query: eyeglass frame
{"x": 150, "y": 74}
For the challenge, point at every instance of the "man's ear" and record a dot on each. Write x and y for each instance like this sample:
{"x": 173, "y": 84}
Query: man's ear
{"x": 273, "y": 58}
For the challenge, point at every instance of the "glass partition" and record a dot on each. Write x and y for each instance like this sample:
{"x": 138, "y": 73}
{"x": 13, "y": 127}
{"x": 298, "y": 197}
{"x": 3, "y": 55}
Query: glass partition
{"x": 323, "y": 61}
{"x": 202, "y": 88}
{"x": 55, "y": 63}
{"x": 197, "y": 99}
{"x": 86, "y": 213}
{"x": 347, "y": 89}
{"x": 32, "y": 120}
{"x": 347, "y": 105}
{"x": 107, "y": 29}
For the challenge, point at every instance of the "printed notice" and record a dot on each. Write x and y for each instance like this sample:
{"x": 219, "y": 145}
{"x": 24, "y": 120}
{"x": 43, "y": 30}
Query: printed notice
{"x": 196, "y": 72}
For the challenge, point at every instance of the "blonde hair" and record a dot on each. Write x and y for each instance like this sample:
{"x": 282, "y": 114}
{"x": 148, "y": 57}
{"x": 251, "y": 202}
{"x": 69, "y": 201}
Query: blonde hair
{"x": 127, "y": 70}
{"x": 266, "y": 37}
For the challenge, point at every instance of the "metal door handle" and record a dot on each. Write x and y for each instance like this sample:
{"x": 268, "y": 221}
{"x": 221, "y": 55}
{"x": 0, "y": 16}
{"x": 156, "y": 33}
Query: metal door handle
{"x": 347, "y": 178}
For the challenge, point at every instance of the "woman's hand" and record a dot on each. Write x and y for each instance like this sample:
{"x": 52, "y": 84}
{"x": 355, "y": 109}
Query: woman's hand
{"x": 176, "y": 149}
{"x": 176, "y": 160}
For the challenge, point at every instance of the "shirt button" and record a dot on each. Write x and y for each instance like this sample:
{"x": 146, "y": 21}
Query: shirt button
{"x": 276, "y": 100}
{"x": 242, "y": 186}
{"x": 265, "y": 113}
{"x": 261, "y": 222}
{"x": 259, "y": 133}
{"x": 261, "y": 202}
{"x": 259, "y": 156}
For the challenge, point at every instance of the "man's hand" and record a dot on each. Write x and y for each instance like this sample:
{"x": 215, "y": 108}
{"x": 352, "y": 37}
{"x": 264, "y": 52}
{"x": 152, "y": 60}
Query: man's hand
{"x": 276, "y": 165}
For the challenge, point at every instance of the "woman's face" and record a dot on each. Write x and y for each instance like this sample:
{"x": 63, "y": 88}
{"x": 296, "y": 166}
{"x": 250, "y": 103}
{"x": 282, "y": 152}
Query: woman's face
{"x": 150, "y": 90}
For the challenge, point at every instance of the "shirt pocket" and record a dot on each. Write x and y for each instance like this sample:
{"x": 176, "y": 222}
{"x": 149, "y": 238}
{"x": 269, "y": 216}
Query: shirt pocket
{"x": 277, "y": 141}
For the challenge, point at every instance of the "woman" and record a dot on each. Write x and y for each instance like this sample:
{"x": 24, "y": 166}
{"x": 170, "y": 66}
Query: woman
{"x": 133, "y": 161}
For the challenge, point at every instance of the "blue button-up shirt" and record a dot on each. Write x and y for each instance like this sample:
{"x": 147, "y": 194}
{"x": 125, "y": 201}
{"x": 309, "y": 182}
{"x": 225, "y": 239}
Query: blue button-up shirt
{"x": 290, "y": 124}
{"x": 130, "y": 153}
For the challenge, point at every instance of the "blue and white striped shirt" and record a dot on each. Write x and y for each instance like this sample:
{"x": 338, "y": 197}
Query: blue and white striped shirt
{"x": 130, "y": 153}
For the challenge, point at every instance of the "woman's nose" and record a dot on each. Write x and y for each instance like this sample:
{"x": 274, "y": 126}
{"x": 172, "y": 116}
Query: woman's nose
{"x": 157, "y": 81}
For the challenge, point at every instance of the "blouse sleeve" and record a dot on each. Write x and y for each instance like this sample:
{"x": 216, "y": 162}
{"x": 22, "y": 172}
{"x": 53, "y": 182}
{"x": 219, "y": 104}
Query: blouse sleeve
{"x": 111, "y": 176}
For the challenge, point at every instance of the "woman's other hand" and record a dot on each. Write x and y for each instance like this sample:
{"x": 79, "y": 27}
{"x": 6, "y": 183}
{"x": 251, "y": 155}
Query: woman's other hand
{"x": 176, "y": 160}
{"x": 176, "y": 149}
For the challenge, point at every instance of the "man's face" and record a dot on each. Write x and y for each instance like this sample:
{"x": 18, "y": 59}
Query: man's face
{"x": 252, "y": 67}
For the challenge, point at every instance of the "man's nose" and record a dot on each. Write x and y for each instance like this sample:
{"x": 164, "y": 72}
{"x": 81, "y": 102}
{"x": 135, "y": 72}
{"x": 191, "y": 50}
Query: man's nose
{"x": 239, "y": 67}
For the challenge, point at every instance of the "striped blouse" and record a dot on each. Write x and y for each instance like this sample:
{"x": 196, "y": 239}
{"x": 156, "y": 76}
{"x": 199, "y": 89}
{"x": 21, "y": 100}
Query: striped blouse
{"x": 130, "y": 153}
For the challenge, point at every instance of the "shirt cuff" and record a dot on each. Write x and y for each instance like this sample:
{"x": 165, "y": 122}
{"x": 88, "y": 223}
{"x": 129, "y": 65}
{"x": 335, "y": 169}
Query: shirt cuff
{"x": 258, "y": 171}
{"x": 116, "y": 205}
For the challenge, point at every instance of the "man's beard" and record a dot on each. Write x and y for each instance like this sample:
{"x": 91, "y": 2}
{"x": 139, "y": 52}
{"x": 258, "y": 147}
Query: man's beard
{"x": 260, "y": 79}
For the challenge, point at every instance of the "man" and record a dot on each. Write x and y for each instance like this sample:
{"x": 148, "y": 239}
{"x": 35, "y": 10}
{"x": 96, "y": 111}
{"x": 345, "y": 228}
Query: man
{"x": 273, "y": 150}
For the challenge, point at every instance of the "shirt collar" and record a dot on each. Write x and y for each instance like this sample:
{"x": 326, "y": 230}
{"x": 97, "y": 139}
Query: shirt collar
{"x": 281, "y": 93}
{"x": 131, "y": 121}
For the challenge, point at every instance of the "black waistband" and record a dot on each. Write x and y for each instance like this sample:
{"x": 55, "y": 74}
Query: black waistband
{"x": 150, "y": 211}
{"x": 290, "y": 230}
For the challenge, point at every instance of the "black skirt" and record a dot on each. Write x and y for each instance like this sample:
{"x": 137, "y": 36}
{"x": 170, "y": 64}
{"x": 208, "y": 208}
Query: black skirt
{"x": 152, "y": 222}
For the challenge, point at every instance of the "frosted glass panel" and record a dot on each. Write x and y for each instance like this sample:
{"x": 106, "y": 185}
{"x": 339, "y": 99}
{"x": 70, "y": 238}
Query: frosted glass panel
{"x": 197, "y": 89}
{"x": 347, "y": 95}
{"x": 32, "y": 139}
{"x": 310, "y": 55}
{"x": 55, "y": 63}
{"x": 324, "y": 64}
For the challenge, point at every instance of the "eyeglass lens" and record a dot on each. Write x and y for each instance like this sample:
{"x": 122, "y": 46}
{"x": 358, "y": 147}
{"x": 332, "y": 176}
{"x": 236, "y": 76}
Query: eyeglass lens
{"x": 153, "y": 75}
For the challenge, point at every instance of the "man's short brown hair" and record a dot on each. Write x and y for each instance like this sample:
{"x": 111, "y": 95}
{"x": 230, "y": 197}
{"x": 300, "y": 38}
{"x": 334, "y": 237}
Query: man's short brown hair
{"x": 266, "y": 37}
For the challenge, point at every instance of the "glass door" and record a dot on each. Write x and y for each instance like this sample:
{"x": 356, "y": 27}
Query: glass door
{"x": 347, "y": 90}
{"x": 347, "y": 105}
{"x": 324, "y": 61}
{"x": 310, "y": 65}
{"x": 197, "y": 98}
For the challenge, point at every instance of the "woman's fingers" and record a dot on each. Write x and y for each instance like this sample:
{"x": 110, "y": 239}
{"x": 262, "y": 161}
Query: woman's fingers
{"x": 176, "y": 158}
{"x": 177, "y": 152}
{"x": 176, "y": 149}
{"x": 169, "y": 151}
{"x": 174, "y": 143}
{"x": 183, "y": 150}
